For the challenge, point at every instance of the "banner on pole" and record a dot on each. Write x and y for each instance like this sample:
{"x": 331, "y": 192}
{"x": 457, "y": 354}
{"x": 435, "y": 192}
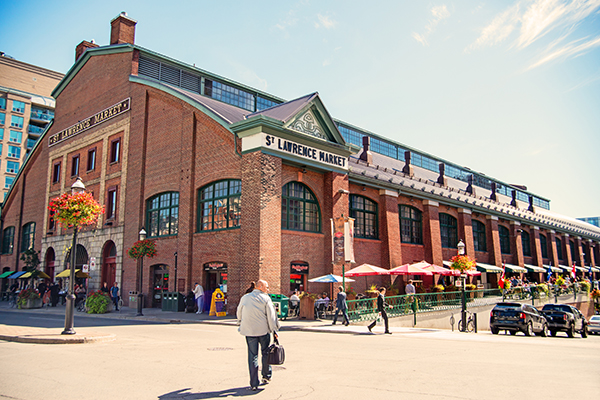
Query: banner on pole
{"x": 342, "y": 236}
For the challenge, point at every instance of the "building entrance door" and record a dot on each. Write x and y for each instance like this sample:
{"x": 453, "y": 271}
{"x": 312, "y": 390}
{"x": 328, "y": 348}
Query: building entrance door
{"x": 109, "y": 264}
{"x": 160, "y": 284}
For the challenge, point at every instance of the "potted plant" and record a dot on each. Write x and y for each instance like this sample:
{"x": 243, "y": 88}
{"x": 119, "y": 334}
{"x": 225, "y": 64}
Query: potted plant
{"x": 307, "y": 305}
{"x": 351, "y": 293}
{"x": 462, "y": 263}
{"x": 585, "y": 286}
{"x": 470, "y": 288}
{"x": 29, "y": 298}
{"x": 97, "y": 302}
{"x": 372, "y": 292}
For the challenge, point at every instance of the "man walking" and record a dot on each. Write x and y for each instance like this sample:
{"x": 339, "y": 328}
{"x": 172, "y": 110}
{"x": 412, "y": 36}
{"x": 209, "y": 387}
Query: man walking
{"x": 257, "y": 319}
{"x": 381, "y": 304}
{"x": 340, "y": 304}
{"x": 114, "y": 293}
{"x": 199, "y": 296}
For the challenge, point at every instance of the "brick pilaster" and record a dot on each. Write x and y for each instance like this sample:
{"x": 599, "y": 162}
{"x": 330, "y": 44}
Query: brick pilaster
{"x": 493, "y": 238}
{"x": 390, "y": 229}
{"x": 431, "y": 232}
{"x": 465, "y": 230}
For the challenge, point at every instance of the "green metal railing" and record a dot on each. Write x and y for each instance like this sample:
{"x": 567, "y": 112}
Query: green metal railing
{"x": 366, "y": 309}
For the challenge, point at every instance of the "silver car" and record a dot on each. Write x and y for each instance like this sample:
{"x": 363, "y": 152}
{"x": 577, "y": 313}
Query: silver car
{"x": 594, "y": 324}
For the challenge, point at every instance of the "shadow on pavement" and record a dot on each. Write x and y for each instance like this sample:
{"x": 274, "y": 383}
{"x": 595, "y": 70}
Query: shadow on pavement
{"x": 233, "y": 392}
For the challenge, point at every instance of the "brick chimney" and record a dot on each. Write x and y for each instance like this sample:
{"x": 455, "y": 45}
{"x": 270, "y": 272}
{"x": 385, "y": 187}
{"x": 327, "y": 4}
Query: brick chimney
{"x": 366, "y": 153}
{"x": 122, "y": 29}
{"x": 82, "y": 47}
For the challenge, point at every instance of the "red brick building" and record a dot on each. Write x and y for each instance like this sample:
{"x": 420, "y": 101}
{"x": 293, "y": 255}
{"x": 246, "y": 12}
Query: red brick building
{"x": 236, "y": 185}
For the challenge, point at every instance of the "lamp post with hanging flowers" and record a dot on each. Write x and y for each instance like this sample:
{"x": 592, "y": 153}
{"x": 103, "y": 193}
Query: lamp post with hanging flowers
{"x": 73, "y": 210}
{"x": 140, "y": 249}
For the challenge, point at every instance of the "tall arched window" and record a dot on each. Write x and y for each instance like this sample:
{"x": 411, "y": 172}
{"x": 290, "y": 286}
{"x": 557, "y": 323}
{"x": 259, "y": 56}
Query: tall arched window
{"x": 504, "y": 239}
{"x": 8, "y": 240}
{"x": 559, "y": 253}
{"x": 544, "y": 246}
{"x": 299, "y": 208}
{"x": 574, "y": 255}
{"x": 411, "y": 225}
{"x": 162, "y": 215}
{"x": 219, "y": 205}
{"x": 526, "y": 243}
{"x": 364, "y": 211}
{"x": 479, "y": 239}
{"x": 28, "y": 236}
{"x": 448, "y": 230}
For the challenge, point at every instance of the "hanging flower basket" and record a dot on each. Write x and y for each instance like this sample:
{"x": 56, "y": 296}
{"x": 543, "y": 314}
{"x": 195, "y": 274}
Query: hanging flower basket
{"x": 462, "y": 263}
{"x": 142, "y": 248}
{"x": 75, "y": 209}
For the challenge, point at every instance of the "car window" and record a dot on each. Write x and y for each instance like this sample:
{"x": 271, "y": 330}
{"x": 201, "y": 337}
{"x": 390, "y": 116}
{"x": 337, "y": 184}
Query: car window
{"x": 595, "y": 318}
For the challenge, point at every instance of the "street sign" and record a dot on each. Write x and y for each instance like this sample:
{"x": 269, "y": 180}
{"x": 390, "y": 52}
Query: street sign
{"x": 85, "y": 268}
{"x": 92, "y": 263}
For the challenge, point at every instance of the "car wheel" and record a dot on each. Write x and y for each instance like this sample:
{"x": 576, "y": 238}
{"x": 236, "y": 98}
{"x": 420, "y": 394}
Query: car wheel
{"x": 513, "y": 333}
{"x": 552, "y": 333}
{"x": 495, "y": 331}
{"x": 528, "y": 329}
{"x": 544, "y": 332}
{"x": 571, "y": 331}
{"x": 584, "y": 332}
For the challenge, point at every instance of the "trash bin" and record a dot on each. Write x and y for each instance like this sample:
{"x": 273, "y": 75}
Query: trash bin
{"x": 282, "y": 305}
{"x": 173, "y": 301}
{"x": 133, "y": 299}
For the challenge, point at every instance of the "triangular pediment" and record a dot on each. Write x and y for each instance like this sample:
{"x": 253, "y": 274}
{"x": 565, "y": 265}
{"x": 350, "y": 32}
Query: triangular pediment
{"x": 307, "y": 123}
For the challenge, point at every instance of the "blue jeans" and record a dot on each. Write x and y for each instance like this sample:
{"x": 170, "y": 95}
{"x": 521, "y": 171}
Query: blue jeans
{"x": 344, "y": 313}
{"x": 252, "y": 342}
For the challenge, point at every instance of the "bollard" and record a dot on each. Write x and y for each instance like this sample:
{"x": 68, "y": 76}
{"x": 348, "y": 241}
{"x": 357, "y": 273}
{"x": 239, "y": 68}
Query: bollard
{"x": 475, "y": 322}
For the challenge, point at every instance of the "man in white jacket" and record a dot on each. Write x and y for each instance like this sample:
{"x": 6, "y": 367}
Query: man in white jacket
{"x": 199, "y": 296}
{"x": 257, "y": 319}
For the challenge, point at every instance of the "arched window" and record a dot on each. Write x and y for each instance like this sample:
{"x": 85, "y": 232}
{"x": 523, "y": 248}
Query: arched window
{"x": 526, "y": 243}
{"x": 299, "y": 208}
{"x": 364, "y": 211}
{"x": 8, "y": 240}
{"x": 28, "y": 236}
{"x": 574, "y": 252}
{"x": 162, "y": 215}
{"x": 479, "y": 239}
{"x": 544, "y": 246}
{"x": 504, "y": 239}
{"x": 448, "y": 231}
{"x": 411, "y": 225}
{"x": 559, "y": 254}
{"x": 219, "y": 205}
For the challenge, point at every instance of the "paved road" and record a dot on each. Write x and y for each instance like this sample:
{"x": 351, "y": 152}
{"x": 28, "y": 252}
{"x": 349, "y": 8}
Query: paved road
{"x": 202, "y": 361}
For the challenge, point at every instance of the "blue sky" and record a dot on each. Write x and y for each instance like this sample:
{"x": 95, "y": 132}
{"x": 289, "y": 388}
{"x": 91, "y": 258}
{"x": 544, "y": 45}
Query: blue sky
{"x": 507, "y": 88}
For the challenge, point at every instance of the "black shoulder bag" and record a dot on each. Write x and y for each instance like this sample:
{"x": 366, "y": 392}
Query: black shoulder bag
{"x": 276, "y": 352}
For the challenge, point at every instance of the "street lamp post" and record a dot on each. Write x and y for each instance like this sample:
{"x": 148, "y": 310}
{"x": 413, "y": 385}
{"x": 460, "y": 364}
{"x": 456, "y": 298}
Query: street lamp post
{"x": 463, "y": 310}
{"x": 77, "y": 187}
{"x": 141, "y": 294}
{"x": 175, "y": 277}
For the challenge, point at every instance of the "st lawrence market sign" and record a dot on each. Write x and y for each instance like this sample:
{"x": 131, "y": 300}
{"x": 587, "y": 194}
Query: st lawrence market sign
{"x": 85, "y": 124}
{"x": 303, "y": 151}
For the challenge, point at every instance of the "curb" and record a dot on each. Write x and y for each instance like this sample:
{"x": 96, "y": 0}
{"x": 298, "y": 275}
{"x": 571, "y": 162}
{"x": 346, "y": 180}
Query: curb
{"x": 54, "y": 338}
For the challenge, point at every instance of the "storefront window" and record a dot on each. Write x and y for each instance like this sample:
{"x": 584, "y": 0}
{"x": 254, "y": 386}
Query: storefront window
{"x": 298, "y": 275}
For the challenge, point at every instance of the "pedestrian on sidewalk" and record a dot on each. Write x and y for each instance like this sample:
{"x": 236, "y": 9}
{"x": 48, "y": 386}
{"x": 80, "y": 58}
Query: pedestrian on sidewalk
{"x": 381, "y": 305}
{"x": 114, "y": 294}
{"x": 341, "y": 305}
{"x": 199, "y": 296}
{"x": 257, "y": 319}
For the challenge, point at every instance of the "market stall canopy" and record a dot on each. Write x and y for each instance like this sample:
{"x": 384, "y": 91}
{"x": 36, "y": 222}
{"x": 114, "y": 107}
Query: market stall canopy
{"x": 330, "y": 278}
{"x": 411, "y": 269}
{"x": 25, "y": 275}
{"x": 367, "y": 270}
{"x": 471, "y": 272}
{"x": 564, "y": 268}
{"x": 533, "y": 268}
{"x": 554, "y": 269}
{"x": 483, "y": 267}
{"x": 6, "y": 274}
{"x": 42, "y": 274}
{"x": 514, "y": 268}
{"x": 16, "y": 275}
{"x": 436, "y": 269}
{"x": 582, "y": 269}
{"x": 67, "y": 273}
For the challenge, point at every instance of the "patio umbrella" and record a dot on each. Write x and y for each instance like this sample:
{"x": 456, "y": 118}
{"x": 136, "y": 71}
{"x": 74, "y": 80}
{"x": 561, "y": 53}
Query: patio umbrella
{"x": 67, "y": 273}
{"x": 330, "y": 278}
{"x": 411, "y": 269}
{"x": 436, "y": 269}
{"x": 367, "y": 270}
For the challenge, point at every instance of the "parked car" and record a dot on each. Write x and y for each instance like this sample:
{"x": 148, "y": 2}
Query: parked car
{"x": 565, "y": 318}
{"x": 515, "y": 317}
{"x": 594, "y": 324}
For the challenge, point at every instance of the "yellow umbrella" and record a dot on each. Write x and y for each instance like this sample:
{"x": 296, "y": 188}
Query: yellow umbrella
{"x": 67, "y": 273}
{"x": 25, "y": 275}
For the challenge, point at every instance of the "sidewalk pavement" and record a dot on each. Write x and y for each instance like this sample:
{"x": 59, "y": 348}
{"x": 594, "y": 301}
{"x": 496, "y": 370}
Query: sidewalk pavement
{"x": 87, "y": 335}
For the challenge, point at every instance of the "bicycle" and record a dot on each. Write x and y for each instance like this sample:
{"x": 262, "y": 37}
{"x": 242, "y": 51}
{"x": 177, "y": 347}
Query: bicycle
{"x": 470, "y": 327}
{"x": 81, "y": 305}
{"x": 12, "y": 300}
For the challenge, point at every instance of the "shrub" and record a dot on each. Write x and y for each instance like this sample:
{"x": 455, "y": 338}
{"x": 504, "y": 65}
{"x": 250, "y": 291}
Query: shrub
{"x": 97, "y": 302}
{"x": 470, "y": 287}
{"x": 585, "y": 286}
{"x": 542, "y": 287}
{"x": 437, "y": 288}
{"x": 27, "y": 294}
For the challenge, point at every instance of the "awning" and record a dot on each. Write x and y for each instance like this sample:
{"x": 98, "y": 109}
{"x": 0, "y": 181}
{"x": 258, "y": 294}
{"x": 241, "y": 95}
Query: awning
{"x": 581, "y": 269}
{"x": 533, "y": 268}
{"x": 6, "y": 274}
{"x": 16, "y": 275}
{"x": 25, "y": 275}
{"x": 564, "y": 268}
{"x": 483, "y": 267}
{"x": 554, "y": 269}
{"x": 67, "y": 273}
{"x": 42, "y": 274}
{"x": 514, "y": 268}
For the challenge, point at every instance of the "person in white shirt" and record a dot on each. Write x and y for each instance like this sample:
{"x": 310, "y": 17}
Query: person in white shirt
{"x": 199, "y": 296}
{"x": 257, "y": 319}
{"x": 410, "y": 288}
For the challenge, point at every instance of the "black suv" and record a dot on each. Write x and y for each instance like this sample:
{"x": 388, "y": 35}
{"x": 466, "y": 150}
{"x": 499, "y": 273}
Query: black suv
{"x": 515, "y": 317}
{"x": 566, "y": 318}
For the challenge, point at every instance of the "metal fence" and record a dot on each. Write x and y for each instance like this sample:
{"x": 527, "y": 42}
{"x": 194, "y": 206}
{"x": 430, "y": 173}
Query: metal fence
{"x": 366, "y": 309}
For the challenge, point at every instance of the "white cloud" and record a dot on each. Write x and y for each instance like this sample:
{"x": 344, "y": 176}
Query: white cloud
{"x": 573, "y": 49}
{"x": 439, "y": 13}
{"x": 498, "y": 30}
{"x": 325, "y": 22}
